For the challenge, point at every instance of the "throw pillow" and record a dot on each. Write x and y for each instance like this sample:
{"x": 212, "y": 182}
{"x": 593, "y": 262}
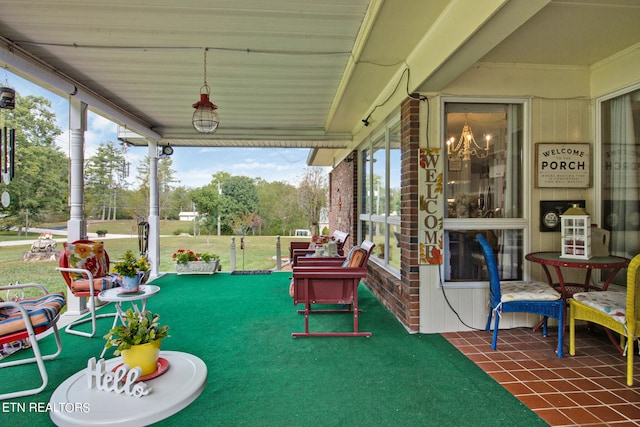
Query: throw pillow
{"x": 87, "y": 256}
{"x": 357, "y": 258}
{"x": 347, "y": 260}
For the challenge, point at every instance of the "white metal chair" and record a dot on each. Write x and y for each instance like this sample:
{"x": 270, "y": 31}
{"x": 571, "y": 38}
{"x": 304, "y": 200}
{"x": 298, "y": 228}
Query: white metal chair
{"x": 28, "y": 318}
{"x": 84, "y": 265}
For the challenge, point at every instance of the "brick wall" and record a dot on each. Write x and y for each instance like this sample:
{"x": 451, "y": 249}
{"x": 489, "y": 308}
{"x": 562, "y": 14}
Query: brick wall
{"x": 401, "y": 296}
{"x": 343, "y": 207}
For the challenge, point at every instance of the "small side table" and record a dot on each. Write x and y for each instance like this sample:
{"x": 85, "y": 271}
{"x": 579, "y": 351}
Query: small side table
{"x": 118, "y": 297}
{"x": 73, "y": 403}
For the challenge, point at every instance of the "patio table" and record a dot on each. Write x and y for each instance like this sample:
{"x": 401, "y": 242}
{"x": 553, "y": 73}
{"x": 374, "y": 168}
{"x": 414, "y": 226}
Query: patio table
{"x": 567, "y": 289}
{"x": 73, "y": 403}
{"x": 553, "y": 259}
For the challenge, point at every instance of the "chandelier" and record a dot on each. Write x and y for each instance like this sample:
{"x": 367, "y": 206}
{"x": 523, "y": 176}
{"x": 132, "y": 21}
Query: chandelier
{"x": 466, "y": 146}
{"x": 205, "y": 119}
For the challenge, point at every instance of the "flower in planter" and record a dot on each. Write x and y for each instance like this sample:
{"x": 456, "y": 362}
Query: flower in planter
{"x": 183, "y": 256}
{"x": 130, "y": 265}
{"x": 139, "y": 328}
{"x": 101, "y": 232}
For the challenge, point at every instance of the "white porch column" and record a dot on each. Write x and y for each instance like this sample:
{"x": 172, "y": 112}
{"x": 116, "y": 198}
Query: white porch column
{"x": 76, "y": 226}
{"x": 154, "y": 210}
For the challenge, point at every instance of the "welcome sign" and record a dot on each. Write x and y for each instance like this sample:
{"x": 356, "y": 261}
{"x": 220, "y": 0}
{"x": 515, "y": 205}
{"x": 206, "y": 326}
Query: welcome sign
{"x": 430, "y": 206}
{"x": 563, "y": 165}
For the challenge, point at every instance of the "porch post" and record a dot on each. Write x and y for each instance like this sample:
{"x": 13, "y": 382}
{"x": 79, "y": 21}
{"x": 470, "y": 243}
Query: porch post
{"x": 76, "y": 225}
{"x": 154, "y": 210}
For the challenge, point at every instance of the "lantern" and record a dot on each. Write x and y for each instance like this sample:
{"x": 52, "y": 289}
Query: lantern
{"x": 575, "y": 225}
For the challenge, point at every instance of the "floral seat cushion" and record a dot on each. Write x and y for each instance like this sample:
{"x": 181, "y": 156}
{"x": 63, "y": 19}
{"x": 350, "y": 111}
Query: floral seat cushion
{"x": 612, "y": 303}
{"x": 527, "y": 291}
{"x": 42, "y": 311}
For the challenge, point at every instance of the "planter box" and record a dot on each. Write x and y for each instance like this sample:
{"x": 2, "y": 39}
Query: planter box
{"x": 198, "y": 267}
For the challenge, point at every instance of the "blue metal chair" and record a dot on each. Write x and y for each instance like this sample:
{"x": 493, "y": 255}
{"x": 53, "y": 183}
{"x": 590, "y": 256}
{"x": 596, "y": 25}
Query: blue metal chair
{"x": 520, "y": 297}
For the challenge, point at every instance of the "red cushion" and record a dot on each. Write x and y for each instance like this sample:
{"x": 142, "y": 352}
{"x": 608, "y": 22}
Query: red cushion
{"x": 99, "y": 284}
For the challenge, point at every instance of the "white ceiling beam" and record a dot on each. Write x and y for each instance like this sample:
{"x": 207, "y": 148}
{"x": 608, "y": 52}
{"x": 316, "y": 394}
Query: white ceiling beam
{"x": 20, "y": 62}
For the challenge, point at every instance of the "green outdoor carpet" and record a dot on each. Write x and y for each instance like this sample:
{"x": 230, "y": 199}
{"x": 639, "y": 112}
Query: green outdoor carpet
{"x": 258, "y": 375}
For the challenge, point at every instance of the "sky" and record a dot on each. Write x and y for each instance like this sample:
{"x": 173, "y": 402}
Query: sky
{"x": 194, "y": 166}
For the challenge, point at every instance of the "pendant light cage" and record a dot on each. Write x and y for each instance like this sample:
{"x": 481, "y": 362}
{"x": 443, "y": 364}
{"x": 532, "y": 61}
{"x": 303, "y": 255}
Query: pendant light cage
{"x": 205, "y": 118}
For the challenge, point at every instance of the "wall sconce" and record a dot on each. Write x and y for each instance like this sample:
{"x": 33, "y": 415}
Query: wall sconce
{"x": 166, "y": 151}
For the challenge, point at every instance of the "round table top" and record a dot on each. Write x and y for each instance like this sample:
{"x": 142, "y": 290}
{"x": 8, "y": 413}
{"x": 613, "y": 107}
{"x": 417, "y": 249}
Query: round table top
{"x": 73, "y": 403}
{"x": 554, "y": 258}
{"x": 117, "y": 294}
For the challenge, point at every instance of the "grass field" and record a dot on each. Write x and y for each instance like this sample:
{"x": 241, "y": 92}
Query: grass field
{"x": 259, "y": 253}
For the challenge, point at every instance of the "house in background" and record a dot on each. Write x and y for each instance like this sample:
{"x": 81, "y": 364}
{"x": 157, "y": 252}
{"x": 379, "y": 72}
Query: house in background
{"x": 187, "y": 216}
{"x": 440, "y": 119}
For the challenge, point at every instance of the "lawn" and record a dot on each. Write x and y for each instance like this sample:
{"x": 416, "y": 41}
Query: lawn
{"x": 259, "y": 252}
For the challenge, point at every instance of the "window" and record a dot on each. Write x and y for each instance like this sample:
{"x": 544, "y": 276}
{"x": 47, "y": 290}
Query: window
{"x": 380, "y": 173}
{"x": 484, "y": 191}
{"x": 620, "y": 189}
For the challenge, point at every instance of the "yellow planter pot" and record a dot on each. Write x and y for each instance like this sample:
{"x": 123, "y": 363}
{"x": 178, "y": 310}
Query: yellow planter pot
{"x": 143, "y": 355}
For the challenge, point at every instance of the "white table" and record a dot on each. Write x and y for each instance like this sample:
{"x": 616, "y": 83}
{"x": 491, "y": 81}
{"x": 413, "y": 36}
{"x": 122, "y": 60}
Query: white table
{"x": 74, "y": 404}
{"x": 118, "y": 297}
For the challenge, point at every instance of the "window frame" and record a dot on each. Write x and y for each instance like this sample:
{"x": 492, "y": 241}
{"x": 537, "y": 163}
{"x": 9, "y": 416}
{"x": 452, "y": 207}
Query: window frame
{"x": 367, "y": 219}
{"x": 523, "y": 222}
{"x": 598, "y": 153}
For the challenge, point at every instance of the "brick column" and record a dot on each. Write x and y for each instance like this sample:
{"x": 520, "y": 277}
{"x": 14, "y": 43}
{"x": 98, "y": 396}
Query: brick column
{"x": 410, "y": 275}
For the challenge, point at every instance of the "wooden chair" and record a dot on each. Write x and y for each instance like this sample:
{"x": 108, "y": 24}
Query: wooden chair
{"x": 614, "y": 310}
{"x": 28, "y": 318}
{"x": 520, "y": 297}
{"x": 332, "y": 284}
{"x": 84, "y": 265}
{"x": 301, "y": 249}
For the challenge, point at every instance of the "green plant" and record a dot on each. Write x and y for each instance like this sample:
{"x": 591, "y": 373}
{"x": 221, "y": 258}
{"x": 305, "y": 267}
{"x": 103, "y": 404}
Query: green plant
{"x": 138, "y": 328}
{"x": 183, "y": 256}
{"x": 101, "y": 232}
{"x": 380, "y": 248}
{"x": 130, "y": 265}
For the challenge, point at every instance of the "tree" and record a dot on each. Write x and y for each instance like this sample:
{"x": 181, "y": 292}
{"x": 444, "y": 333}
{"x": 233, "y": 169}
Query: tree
{"x": 180, "y": 199}
{"x": 279, "y": 208}
{"x": 105, "y": 177}
{"x": 312, "y": 196}
{"x": 239, "y": 200}
{"x": 207, "y": 201}
{"x": 40, "y": 187}
{"x": 232, "y": 198}
{"x": 166, "y": 179}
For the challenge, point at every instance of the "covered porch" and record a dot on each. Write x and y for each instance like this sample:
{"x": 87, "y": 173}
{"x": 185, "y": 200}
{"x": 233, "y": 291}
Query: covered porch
{"x": 240, "y": 326}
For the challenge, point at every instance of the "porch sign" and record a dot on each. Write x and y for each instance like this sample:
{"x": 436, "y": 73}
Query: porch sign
{"x": 563, "y": 165}
{"x": 431, "y": 206}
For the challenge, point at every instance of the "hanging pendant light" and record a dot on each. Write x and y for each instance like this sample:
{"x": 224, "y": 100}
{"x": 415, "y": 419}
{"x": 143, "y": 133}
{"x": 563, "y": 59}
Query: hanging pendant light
{"x": 205, "y": 119}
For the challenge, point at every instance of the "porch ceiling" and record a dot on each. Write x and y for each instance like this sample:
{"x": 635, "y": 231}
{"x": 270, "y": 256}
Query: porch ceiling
{"x": 288, "y": 73}
{"x": 275, "y": 67}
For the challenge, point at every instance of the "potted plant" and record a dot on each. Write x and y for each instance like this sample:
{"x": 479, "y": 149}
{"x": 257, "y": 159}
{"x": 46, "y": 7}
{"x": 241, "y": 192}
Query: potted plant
{"x": 190, "y": 262}
{"x": 138, "y": 340}
{"x": 101, "y": 233}
{"x": 131, "y": 270}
